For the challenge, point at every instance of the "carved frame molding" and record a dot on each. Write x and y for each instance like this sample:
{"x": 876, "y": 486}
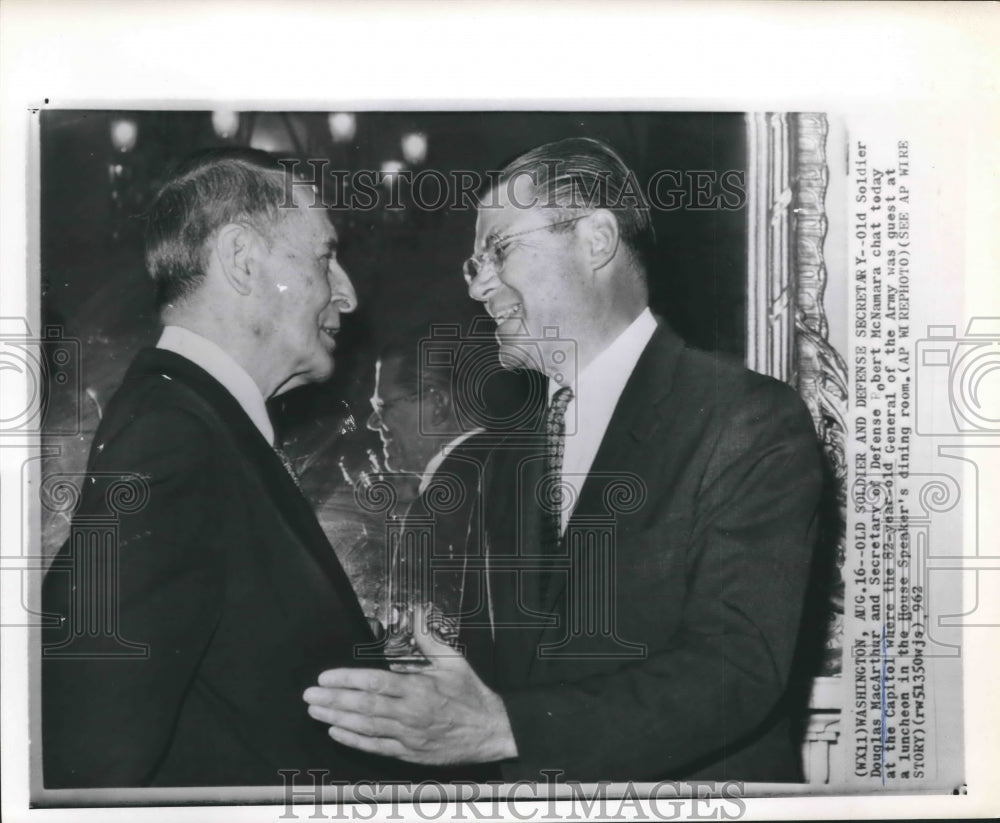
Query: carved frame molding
{"x": 788, "y": 338}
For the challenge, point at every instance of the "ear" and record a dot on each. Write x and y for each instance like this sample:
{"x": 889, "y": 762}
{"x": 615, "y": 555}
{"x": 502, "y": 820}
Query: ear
{"x": 601, "y": 237}
{"x": 440, "y": 405}
{"x": 234, "y": 249}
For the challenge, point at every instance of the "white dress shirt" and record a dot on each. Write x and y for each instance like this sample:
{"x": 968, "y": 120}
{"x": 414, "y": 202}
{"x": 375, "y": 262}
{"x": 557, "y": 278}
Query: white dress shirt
{"x": 204, "y": 353}
{"x": 596, "y": 392}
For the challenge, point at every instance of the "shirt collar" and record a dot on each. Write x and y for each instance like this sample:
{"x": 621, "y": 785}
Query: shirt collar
{"x": 204, "y": 353}
{"x": 613, "y": 366}
{"x": 435, "y": 462}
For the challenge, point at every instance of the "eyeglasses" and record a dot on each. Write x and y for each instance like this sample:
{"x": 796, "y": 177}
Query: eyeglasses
{"x": 375, "y": 419}
{"x": 496, "y": 248}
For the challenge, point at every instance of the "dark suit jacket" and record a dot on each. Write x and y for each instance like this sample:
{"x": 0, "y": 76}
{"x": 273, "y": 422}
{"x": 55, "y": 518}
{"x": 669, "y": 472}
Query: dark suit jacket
{"x": 671, "y": 656}
{"x": 448, "y": 511}
{"x": 224, "y": 575}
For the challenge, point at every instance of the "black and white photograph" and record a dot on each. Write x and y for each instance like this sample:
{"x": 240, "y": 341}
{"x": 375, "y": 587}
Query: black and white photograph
{"x": 586, "y": 458}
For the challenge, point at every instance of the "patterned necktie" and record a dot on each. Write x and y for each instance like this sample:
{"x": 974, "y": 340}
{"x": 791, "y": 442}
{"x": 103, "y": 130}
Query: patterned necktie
{"x": 555, "y": 443}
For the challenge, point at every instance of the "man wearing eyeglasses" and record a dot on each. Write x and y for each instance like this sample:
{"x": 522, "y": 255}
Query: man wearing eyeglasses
{"x": 413, "y": 409}
{"x": 656, "y": 649}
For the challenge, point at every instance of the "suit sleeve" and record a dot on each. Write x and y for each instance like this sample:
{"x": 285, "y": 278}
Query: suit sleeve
{"x": 112, "y": 694}
{"x": 716, "y": 680}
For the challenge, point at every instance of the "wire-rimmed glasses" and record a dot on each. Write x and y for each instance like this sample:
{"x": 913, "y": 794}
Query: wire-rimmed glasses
{"x": 496, "y": 248}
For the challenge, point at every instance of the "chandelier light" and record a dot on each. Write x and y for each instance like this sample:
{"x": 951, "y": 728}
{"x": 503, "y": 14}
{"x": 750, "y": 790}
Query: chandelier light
{"x": 124, "y": 133}
{"x": 414, "y": 145}
{"x": 343, "y": 125}
{"x": 225, "y": 123}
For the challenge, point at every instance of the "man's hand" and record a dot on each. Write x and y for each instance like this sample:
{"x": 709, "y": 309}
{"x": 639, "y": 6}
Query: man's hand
{"x": 438, "y": 713}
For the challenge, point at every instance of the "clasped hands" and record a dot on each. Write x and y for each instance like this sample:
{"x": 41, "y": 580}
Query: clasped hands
{"x": 436, "y": 712}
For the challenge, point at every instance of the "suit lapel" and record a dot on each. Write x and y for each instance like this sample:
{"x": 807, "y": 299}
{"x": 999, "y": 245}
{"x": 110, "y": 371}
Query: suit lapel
{"x": 281, "y": 488}
{"x": 637, "y": 415}
{"x": 512, "y": 533}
